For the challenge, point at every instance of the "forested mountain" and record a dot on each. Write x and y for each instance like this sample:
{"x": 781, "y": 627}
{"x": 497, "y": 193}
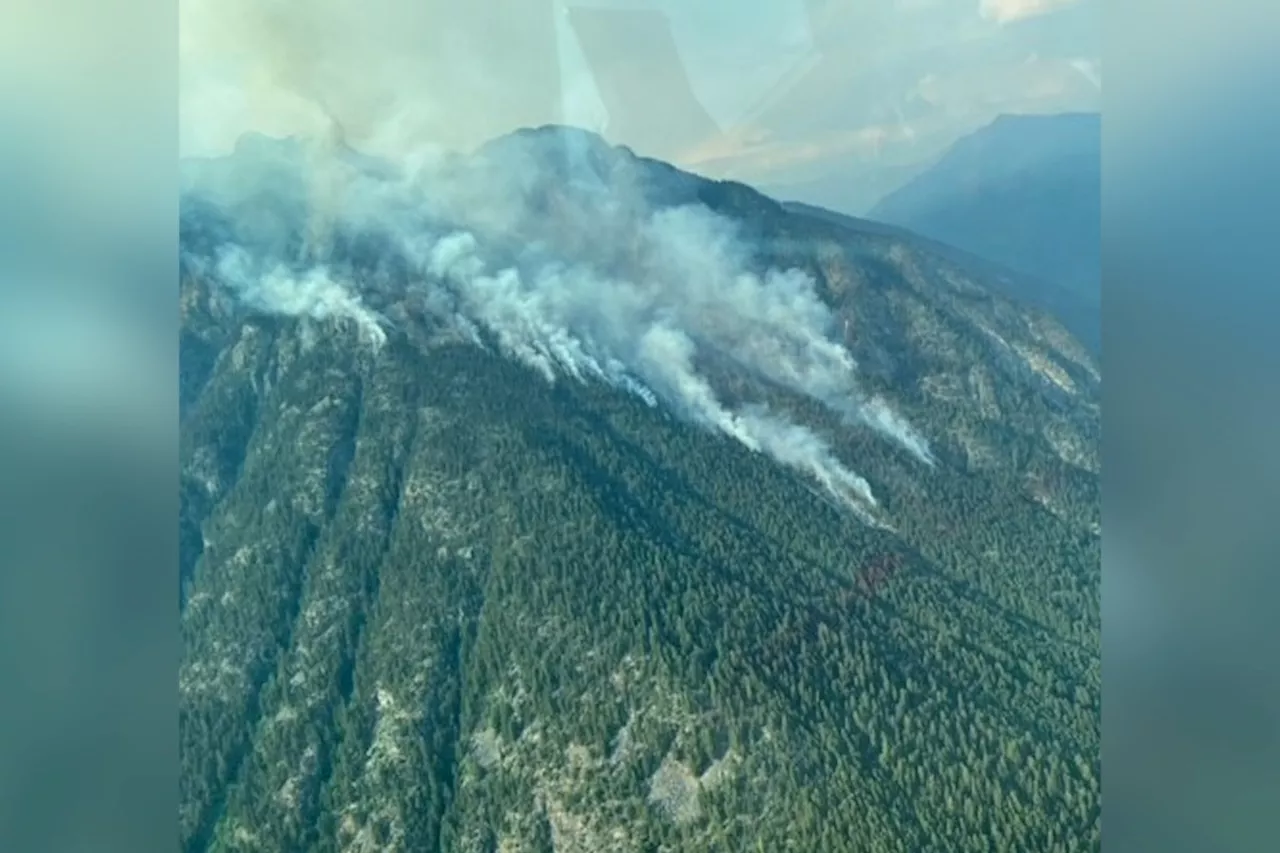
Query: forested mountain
{"x": 1026, "y": 192}
{"x": 1078, "y": 313}
{"x": 551, "y": 499}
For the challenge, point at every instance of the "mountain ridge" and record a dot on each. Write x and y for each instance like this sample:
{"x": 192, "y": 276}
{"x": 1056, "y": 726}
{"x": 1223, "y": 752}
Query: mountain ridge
{"x": 1024, "y": 191}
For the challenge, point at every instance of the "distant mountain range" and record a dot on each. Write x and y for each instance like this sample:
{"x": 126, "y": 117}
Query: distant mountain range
{"x": 850, "y": 191}
{"x": 1025, "y": 192}
{"x": 559, "y": 500}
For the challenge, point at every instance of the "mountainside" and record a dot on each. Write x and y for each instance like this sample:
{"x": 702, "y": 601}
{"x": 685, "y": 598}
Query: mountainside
{"x": 1024, "y": 191}
{"x": 554, "y": 499}
{"x": 1077, "y": 313}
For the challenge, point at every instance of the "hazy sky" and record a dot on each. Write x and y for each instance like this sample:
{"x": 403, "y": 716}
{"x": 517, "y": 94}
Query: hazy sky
{"x": 773, "y": 92}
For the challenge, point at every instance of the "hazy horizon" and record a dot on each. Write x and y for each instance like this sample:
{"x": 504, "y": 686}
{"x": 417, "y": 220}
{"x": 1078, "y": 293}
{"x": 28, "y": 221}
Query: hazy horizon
{"x": 807, "y": 100}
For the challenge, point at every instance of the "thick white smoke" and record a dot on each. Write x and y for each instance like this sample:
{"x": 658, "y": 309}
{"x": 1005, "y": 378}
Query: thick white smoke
{"x": 315, "y": 294}
{"x": 775, "y": 326}
{"x": 877, "y": 414}
{"x": 568, "y": 320}
{"x": 643, "y": 299}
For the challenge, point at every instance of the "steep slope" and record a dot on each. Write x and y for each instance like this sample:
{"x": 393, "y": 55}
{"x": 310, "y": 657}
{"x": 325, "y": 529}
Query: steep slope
{"x": 1077, "y": 313}
{"x": 1025, "y": 191}
{"x": 433, "y": 601}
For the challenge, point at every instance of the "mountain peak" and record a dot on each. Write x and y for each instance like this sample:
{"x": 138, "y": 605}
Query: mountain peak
{"x": 556, "y": 140}
{"x": 567, "y": 134}
{"x": 1017, "y": 136}
{"x": 565, "y": 153}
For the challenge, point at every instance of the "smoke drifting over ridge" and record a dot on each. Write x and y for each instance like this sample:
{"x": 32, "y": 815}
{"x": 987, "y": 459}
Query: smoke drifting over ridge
{"x": 496, "y": 247}
{"x": 578, "y": 259}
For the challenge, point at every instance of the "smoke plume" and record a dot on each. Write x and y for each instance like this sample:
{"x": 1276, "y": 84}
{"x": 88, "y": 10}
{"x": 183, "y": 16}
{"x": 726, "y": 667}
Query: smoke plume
{"x": 565, "y": 320}
{"x": 315, "y": 294}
